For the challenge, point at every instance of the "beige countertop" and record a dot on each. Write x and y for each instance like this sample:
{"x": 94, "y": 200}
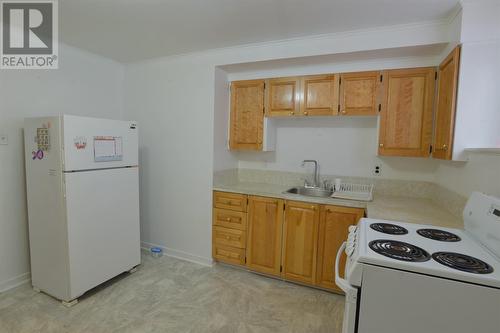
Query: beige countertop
{"x": 411, "y": 210}
{"x": 403, "y": 209}
{"x": 276, "y": 191}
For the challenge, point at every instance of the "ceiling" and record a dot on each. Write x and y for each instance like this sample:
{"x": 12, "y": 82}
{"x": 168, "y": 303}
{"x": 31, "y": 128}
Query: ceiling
{"x": 132, "y": 30}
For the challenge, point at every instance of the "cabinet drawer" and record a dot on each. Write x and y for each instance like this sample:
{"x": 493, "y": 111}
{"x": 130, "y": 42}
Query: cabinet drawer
{"x": 231, "y": 201}
{"x": 230, "y": 219}
{"x": 229, "y": 237}
{"x": 229, "y": 254}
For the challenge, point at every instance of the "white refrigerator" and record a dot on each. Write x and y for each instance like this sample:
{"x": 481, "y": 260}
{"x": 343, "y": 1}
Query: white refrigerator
{"x": 83, "y": 202}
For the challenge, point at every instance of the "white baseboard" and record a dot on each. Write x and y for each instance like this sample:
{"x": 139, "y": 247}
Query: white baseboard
{"x": 15, "y": 282}
{"x": 179, "y": 254}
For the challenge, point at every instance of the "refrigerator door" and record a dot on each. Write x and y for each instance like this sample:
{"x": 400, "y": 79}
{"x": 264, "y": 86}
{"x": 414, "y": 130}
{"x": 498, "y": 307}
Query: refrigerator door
{"x": 46, "y": 206}
{"x": 92, "y": 143}
{"x": 103, "y": 225}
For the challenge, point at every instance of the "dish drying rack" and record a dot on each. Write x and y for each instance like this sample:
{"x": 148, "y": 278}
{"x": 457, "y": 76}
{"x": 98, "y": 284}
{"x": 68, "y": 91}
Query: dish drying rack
{"x": 350, "y": 191}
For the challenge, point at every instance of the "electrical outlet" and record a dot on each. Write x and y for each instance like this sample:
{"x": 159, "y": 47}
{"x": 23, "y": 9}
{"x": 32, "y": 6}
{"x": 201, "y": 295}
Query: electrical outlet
{"x": 4, "y": 139}
{"x": 377, "y": 171}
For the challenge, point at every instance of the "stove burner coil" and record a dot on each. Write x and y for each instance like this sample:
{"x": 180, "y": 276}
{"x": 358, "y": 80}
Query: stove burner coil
{"x": 399, "y": 250}
{"x": 462, "y": 262}
{"x": 439, "y": 235}
{"x": 388, "y": 228}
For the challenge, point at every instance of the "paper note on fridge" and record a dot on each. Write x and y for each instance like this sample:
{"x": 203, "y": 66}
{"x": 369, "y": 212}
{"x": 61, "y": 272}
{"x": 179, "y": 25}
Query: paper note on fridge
{"x": 108, "y": 148}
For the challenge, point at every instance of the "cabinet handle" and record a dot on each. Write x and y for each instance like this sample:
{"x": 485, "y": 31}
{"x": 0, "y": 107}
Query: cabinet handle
{"x": 443, "y": 147}
{"x": 228, "y": 219}
{"x": 306, "y": 113}
{"x": 381, "y": 145}
{"x": 344, "y": 112}
{"x": 313, "y": 207}
{"x": 292, "y": 113}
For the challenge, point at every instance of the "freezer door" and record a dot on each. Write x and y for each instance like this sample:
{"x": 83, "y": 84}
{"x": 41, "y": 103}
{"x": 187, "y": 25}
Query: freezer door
{"x": 92, "y": 143}
{"x": 103, "y": 225}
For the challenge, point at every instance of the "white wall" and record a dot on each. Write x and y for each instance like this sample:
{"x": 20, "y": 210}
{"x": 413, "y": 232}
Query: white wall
{"x": 481, "y": 173}
{"x": 173, "y": 100}
{"x": 345, "y": 146}
{"x": 84, "y": 84}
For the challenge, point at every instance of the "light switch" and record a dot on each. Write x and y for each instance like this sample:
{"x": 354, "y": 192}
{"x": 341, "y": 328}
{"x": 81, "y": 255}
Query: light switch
{"x": 4, "y": 139}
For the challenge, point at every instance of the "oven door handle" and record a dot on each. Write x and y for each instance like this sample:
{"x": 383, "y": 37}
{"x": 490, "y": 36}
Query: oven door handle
{"x": 341, "y": 283}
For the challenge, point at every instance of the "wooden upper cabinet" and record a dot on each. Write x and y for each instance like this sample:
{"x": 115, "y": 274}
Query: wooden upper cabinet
{"x": 300, "y": 239}
{"x": 265, "y": 222}
{"x": 446, "y": 105}
{"x": 247, "y": 115}
{"x": 333, "y": 230}
{"x": 360, "y": 93}
{"x": 282, "y": 96}
{"x": 406, "y": 115}
{"x": 319, "y": 95}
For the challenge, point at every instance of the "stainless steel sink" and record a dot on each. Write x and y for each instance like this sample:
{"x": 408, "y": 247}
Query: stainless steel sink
{"x": 310, "y": 191}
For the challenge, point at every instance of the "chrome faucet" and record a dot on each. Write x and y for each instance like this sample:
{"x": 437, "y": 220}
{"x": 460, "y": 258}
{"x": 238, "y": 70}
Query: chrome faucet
{"x": 316, "y": 174}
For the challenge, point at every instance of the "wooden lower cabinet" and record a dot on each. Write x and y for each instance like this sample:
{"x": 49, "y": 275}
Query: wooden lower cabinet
{"x": 334, "y": 222}
{"x": 292, "y": 240}
{"x": 228, "y": 254}
{"x": 229, "y": 227}
{"x": 229, "y": 237}
{"x": 265, "y": 221}
{"x": 230, "y": 201}
{"x": 300, "y": 239}
{"x": 229, "y": 219}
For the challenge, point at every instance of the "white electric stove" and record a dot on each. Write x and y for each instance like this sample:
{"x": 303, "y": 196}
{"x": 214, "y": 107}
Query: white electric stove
{"x": 412, "y": 278}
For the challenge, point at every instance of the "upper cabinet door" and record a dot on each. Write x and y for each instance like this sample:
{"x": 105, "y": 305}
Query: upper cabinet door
{"x": 446, "y": 105}
{"x": 247, "y": 115}
{"x": 265, "y": 222}
{"x": 406, "y": 115}
{"x": 319, "y": 95}
{"x": 300, "y": 236}
{"x": 283, "y": 96}
{"x": 359, "y": 93}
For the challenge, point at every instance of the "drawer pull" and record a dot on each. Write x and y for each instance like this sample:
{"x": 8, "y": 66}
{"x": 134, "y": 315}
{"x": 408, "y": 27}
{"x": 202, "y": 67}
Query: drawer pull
{"x": 229, "y": 255}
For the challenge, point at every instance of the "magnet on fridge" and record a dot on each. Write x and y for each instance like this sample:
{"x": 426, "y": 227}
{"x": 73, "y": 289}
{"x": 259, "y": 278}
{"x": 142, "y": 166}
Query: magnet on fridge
{"x": 38, "y": 154}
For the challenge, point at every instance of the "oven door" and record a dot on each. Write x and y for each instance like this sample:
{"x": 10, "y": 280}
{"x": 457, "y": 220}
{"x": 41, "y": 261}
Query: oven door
{"x": 349, "y": 324}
